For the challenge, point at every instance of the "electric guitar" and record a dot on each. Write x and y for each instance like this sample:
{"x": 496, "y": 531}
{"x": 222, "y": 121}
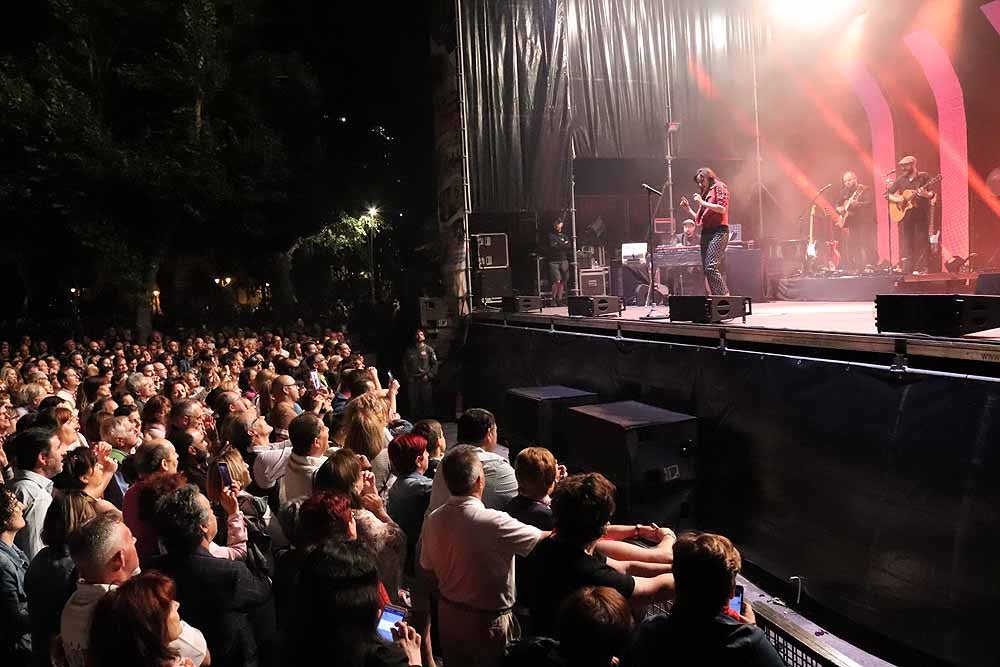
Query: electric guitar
{"x": 811, "y": 245}
{"x": 898, "y": 209}
{"x": 842, "y": 218}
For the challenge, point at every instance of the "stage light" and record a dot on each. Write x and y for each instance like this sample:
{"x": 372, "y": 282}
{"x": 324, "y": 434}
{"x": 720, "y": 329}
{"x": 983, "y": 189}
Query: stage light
{"x": 373, "y": 211}
{"x": 810, "y": 14}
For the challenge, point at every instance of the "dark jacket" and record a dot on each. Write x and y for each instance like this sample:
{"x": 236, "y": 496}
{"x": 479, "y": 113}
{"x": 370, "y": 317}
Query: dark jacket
{"x": 687, "y": 640}
{"x": 15, "y": 642}
{"x": 49, "y": 583}
{"x": 228, "y": 603}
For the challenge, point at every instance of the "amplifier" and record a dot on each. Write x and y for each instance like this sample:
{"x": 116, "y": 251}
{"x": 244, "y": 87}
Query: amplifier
{"x": 521, "y": 304}
{"x": 709, "y": 309}
{"x": 593, "y": 282}
{"x": 949, "y": 315}
{"x": 594, "y": 306}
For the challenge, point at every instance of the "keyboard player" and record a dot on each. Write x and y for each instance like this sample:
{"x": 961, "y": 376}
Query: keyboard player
{"x": 686, "y": 279}
{"x": 690, "y": 234}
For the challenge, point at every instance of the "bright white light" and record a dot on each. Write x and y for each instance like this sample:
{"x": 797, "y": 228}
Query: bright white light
{"x": 806, "y": 14}
{"x": 373, "y": 211}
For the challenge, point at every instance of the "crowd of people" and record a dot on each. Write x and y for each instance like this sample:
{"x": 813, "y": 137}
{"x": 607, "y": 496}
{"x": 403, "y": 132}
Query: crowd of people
{"x": 255, "y": 498}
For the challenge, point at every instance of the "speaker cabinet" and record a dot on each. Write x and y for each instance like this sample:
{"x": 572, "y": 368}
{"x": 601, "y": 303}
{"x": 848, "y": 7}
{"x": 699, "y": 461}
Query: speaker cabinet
{"x": 648, "y": 452}
{"x": 708, "y": 309}
{"x": 594, "y": 306}
{"x": 437, "y": 312}
{"x": 521, "y": 304}
{"x": 950, "y": 315}
{"x": 537, "y": 416}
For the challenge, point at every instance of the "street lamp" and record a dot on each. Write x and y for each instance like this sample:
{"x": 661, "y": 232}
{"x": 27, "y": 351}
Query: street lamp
{"x": 372, "y": 214}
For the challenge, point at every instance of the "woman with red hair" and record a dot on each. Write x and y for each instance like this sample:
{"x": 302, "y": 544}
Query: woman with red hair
{"x": 133, "y": 625}
{"x": 410, "y": 495}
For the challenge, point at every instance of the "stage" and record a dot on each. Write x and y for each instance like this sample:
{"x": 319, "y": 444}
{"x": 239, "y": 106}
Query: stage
{"x": 843, "y": 331}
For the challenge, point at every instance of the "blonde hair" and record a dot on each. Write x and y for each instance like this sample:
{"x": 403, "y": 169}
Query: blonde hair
{"x": 366, "y": 417}
{"x": 238, "y": 470}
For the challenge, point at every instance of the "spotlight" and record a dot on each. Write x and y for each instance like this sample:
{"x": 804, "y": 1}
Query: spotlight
{"x": 808, "y": 15}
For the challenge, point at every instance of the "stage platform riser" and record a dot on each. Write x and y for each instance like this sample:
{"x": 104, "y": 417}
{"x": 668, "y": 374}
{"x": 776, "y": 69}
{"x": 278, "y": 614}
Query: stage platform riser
{"x": 878, "y": 490}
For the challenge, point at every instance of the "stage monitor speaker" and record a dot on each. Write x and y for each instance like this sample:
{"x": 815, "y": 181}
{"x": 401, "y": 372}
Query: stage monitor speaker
{"x": 949, "y": 315}
{"x": 594, "y": 306}
{"x": 438, "y": 312}
{"x": 648, "y": 452}
{"x": 708, "y": 309}
{"x": 988, "y": 283}
{"x": 593, "y": 282}
{"x": 521, "y": 304}
{"x": 536, "y": 416}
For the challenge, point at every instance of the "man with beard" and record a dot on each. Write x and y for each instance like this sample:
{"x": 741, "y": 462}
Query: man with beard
{"x": 914, "y": 228}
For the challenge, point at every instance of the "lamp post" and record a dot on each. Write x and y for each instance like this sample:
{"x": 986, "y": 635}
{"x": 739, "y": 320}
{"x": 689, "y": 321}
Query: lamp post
{"x": 372, "y": 213}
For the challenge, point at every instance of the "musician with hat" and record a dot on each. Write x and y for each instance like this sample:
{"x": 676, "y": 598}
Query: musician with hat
{"x": 910, "y": 187}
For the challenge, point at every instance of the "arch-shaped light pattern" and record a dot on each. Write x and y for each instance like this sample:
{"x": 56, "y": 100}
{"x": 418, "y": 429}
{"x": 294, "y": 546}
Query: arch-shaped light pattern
{"x": 992, "y": 11}
{"x": 883, "y": 146}
{"x": 953, "y": 134}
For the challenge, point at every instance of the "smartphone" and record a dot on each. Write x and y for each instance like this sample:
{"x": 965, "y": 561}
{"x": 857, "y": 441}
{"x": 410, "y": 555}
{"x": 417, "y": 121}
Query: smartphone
{"x": 227, "y": 479}
{"x": 314, "y": 376}
{"x": 390, "y": 377}
{"x": 736, "y": 602}
{"x": 387, "y": 621}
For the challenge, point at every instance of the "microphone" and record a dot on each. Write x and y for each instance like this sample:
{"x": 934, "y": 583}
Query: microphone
{"x": 653, "y": 190}
{"x": 890, "y": 172}
{"x": 825, "y": 188}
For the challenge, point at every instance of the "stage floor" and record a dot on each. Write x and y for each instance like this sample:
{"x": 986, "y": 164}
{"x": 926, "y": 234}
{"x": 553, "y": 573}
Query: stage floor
{"x": 852, "y": 317}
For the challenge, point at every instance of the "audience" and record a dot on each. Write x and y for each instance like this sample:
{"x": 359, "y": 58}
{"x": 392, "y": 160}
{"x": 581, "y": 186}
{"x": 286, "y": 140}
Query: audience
{"x": 701, "y": 628}
{"x": 337, "y": 599}
{"x": 469, "y": 551}
{"x": 478, "y": 429}
{"x": 15, "y": 637}
{"x": 342, "y": 473}
{"x": 229, "y": 603}
{"x": 409, "y": 496}
{"x": 310, "y": 440}
{"x": 51, "y": 577}
{"x": 313, "y": 487}
{"x": 39, "y": 457}
{"x": 138, "y": 625}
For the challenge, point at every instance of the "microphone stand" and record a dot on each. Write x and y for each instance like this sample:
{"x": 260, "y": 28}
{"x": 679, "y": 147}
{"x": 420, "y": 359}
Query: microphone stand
{"x": 653, "y": 313}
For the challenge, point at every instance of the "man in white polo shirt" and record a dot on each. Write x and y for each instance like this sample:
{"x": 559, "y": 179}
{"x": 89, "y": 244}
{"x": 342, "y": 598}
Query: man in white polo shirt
{"x": 468, "y": 552}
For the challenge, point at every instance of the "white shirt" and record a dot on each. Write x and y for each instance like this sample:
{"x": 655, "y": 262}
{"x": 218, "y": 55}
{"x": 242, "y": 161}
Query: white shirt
{"x": 35, "y": 491}
{"x": 477, "y": 569}
{"x": 269, "y": 464}
{"x": 74, "y": 627}
{"x": 298, "y": 479}
{"x": 501, "y": 484}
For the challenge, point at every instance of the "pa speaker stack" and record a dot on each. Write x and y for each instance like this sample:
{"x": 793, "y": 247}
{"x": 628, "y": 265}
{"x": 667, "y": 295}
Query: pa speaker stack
{"x": 709, "y": 309}
{"x": 950, "y": 315}
{"x": 594, "y": 306}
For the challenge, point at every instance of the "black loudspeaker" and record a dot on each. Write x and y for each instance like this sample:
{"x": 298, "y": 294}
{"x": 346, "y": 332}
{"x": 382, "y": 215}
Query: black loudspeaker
{"x": 950, "y": 315}
{"x": 745, "y": 272}
{"x": 521, "y": 304}
{"x": 437, "y": 312}
{"x": 649, "y": 453}
{"x": 536, "y": 416}
{"x": 491, "y": 284}
{"x": 594, "y": 306}
{"x": 709, "y": 309}
{"x": 988, "y": 283}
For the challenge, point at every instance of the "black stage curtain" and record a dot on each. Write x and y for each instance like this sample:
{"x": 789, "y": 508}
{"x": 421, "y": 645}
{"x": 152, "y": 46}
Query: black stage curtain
{"x": 880, "y": 491}
{"x": 539, "y": 71}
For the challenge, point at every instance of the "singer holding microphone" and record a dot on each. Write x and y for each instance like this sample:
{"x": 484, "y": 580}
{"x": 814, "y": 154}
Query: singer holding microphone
{"x": 712, "y": 214}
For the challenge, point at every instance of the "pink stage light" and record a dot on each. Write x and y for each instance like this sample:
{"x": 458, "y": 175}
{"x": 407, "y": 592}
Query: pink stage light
{"x": 953, "y": 137}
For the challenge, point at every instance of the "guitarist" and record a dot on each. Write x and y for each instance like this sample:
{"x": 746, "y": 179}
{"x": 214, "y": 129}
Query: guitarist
{"x": 915, "y": 226}
{"x": 857, "y": 218}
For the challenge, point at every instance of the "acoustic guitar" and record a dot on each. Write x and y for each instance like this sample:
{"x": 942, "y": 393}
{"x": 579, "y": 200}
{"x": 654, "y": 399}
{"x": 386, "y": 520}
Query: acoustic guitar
{"x": 898, "y": 209}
